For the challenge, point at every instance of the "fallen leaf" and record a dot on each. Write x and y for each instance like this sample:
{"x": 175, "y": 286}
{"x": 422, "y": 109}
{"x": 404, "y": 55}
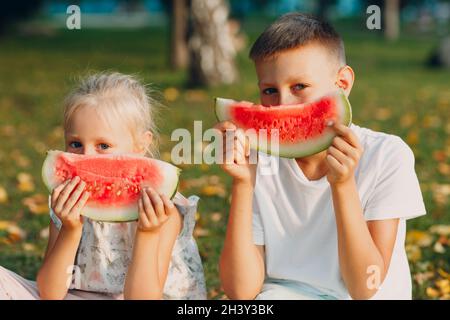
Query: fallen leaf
{"x": 432, "y": 293}
{"x": 438, "y": 248}
{"x": 200, "y": 232}
{"x": 443, "y": 285}
{"x": 3, "y": 195}
{"x": 440, "y": 229}
{"x": 15, "y": 233}
{"x": 216, "y": 216}
{"x": 413, "y": 252}
{"x": 44, "y": 233}
{"x": 37, "y": 204}
{"x": 419, "y": 238}
{"x": 25, "y": 182}
{"x": 171, "y": 94}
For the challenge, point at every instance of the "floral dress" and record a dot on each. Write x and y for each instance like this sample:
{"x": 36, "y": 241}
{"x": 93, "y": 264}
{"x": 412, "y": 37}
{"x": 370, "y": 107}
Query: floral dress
{"x": 105, "y": 250}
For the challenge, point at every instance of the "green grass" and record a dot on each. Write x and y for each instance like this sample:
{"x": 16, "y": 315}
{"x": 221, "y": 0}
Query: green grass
{"x": 392, "y": 86}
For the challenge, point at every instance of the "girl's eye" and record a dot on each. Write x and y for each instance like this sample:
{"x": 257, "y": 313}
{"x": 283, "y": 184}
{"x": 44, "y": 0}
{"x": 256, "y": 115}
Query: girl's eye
{"x": 299, "y": 87}
{"x": 269, "y": 91}
{"x": 104, "y": 146}
{"x": 75, "y": 144}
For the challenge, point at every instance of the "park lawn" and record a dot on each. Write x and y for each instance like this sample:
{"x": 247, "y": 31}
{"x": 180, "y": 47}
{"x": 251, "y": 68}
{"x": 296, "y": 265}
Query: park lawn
{"x": 394, "y": 92}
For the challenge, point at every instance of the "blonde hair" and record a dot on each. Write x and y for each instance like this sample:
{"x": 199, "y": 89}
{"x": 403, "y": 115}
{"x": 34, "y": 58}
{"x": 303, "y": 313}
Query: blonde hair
{"x": 117, "y": 96}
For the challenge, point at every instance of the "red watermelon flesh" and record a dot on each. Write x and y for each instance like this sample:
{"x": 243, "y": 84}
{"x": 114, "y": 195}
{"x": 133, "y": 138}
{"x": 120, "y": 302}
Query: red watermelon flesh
{"x": 114, "y": 181}
{"x": 300, "y": 129}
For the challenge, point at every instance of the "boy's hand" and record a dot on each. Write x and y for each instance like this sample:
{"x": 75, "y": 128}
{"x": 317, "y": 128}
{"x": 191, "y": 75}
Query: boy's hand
{"x": 154, "y": 210}
{"x": 236, "y": 155}
{"x": 67, "y": 201}
{"x": 343, "y": 155}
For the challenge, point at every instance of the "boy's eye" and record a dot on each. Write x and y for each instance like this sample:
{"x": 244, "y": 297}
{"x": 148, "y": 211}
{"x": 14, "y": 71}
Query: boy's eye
{"x": 75, "y": 144}
{"x": 298, "y": 87}
{"x": 269, "y": 91}
{"x": 103, "y": 146}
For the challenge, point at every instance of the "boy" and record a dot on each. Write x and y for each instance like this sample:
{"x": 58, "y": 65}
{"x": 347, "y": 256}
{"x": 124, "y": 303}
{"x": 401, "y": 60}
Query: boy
{"x": 331, "y": 225}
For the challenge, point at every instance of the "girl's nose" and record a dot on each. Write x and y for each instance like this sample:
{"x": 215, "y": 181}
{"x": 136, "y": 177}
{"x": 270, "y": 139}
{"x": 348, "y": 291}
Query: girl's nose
{"x": 89, "y": 150}
{"x": 286, "y": 97}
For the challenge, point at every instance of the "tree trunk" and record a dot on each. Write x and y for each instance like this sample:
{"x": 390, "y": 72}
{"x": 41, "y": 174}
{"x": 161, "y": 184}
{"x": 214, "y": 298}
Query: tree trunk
{"x": 179, "y": 53}
{"x": 392, "y": 19}
{"x": 212, "y": 49}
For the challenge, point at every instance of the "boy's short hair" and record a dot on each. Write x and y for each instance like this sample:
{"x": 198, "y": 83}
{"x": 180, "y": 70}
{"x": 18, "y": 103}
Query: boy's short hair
{"x": 293, "y": 30}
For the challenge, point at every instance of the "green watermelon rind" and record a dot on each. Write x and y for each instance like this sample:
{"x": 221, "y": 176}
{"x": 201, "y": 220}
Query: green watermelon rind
{"x": 119, "y": 214}
{"x": 291, "y": 150}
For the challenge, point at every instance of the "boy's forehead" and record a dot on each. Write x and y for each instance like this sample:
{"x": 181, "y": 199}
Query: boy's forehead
{"x": 302, "y": 61}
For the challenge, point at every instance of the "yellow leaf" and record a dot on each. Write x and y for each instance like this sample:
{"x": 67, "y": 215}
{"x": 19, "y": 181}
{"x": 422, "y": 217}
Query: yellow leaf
{"x": 37, "y": 204}
{"x": 216, "y": 216}
{"x": 214, "y": 190}
{"x": 25, "y": 182}
{"x": 443, "y": 285}
{"x": 3, "y": 195}
{"x": 420, "y": 238}
{"x": 432, "y": 293}
{"x": 440, "y": 229}
{"x": 413, "y": 252}
{"x": 443, "y": 273}
{"x": 171, "y": 94}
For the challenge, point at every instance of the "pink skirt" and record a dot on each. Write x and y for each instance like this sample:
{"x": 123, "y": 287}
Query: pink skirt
{"x": 15, "y": 287}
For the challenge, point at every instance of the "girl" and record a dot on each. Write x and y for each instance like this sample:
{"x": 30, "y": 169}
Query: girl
{"x": 152, "y": 258}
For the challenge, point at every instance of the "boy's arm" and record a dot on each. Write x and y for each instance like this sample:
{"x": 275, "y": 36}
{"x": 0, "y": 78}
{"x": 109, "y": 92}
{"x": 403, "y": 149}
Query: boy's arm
{"x": 365, "y": 248}
{"x": 242, "y": 262}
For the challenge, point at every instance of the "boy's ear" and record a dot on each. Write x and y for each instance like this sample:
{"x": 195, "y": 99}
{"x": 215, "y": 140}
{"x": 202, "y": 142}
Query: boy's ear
{"x": 345, "y": 79}
{"x": 147, "y": 138}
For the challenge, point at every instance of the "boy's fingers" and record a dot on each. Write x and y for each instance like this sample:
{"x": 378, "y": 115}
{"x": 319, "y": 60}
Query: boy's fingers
{"x": 333, "y": 163}
{"x": 347, "y": 133}
{"x": 345, "y": 147}
{"x": 65, "y": 193}
{"x": 340, "y": 156}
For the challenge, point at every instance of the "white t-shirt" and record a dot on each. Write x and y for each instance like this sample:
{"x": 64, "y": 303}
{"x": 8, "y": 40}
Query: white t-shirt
{"x": 293, "y": 217}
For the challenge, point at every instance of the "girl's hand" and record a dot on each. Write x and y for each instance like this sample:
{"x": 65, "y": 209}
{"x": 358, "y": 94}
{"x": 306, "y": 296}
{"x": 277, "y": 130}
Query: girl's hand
{"x": 235, "y": 156}
{"x": 343, "y": 155}
{"x": 154, "y": 210}
{"x": 67, "y": 201}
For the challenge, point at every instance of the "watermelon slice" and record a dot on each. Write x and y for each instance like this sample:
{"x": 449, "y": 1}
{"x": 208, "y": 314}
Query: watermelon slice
{"x": 114, "y": 181}
{"x": 301, "y": 129}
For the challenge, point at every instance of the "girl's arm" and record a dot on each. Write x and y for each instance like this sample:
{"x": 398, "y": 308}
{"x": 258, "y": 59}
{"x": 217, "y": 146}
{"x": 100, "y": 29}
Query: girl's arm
{"x": 241, "y": 265}
{"x": 158, "y": 227}
{"x": 365, "y": 248}
{"x": 55, "y": 274}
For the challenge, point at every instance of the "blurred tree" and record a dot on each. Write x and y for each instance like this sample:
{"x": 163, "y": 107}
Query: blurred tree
{"x": 14, "y": 11}
{"x": 322, "y": 8}
{"x": 392, "y": 19}
{"x": 211, "y": 45}
{"x": 178, "y": 12}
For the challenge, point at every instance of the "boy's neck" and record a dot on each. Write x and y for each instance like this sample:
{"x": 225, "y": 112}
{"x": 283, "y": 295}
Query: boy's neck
{"x": 314, "y": 167}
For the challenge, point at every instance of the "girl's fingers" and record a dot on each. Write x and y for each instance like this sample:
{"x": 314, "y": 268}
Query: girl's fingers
{"x": 142, "y": 215}
{"x": 168, "y": 205}
{"x": 56, "y": 192}
{"x": 81, "y": 203}
{"x": 158, "y": 204}
{"x": 73, "y": 198}
{"x": 65, "y": 193}
{"x": 148, "y": 208}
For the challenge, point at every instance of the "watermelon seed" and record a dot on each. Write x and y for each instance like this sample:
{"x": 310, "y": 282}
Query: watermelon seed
{"x": 108, "y": 188}
{"x": 118, "y": 193}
